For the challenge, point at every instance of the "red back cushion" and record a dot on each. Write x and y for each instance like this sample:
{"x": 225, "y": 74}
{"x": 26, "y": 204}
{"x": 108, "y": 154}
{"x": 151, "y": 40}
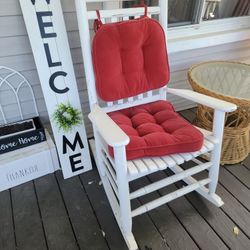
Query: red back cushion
{"x": 130, "y": 58}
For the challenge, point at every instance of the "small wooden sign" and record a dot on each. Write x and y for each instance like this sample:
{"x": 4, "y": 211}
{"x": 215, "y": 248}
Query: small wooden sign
{"x": 21, "y": 134}
{"x": 46, "y": 29}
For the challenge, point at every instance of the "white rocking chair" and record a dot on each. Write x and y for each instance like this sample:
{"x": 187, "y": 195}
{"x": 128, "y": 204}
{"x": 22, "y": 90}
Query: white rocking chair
{"x": 116, "y": 173}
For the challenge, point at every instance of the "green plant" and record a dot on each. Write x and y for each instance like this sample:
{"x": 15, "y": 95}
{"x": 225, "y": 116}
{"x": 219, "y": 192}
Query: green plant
{"x": 66, "y": 117}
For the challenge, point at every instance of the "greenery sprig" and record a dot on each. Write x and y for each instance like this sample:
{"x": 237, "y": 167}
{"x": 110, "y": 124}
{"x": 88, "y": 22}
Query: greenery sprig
{"x": 66, "y": 117}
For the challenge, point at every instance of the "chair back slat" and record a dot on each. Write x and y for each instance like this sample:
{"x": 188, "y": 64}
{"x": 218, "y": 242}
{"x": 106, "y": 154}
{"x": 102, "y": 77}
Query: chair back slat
{"x": 110, "y": 104}
{"x": 147, "y": 97}
{"x": 140, "y": 96}
{"x": 120, "y": 101}
{"x": 133, "y": 12}
{"x": 163, "y": 93}
{"x": 150, "y": 93}
{"x": 131, "y": 99}
{"x": 114, "y": 19}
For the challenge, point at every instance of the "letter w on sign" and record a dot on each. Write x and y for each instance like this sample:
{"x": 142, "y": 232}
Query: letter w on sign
{"x": 46, "y": 29}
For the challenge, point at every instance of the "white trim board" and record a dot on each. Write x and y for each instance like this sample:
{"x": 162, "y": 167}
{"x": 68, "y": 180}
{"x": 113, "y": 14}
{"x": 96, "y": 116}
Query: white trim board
{"x": 208, "y": 33}
{"x": 207, "y": 40}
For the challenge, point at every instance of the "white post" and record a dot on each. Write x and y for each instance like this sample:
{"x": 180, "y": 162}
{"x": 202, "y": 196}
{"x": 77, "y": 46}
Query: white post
{"x": 100, "y": 163}
{"x": 123, "y": 189}
{"x": 83, "y": 24}
{"x": 163, "y": 17}
{"x": 218, "y": 128}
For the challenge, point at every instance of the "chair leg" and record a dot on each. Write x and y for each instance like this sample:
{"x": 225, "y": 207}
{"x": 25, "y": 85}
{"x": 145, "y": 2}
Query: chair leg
{"x": 124, "y": 200}
{"x": 214, "y": 170}
{"x": 100, "y": 163}
{"x": 125, "y": 216}
{"x": 130, "y": 241}
{"x": 218, "y": 128}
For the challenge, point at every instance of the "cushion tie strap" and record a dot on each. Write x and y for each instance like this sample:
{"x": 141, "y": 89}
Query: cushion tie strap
{"x": 98, "y": 21}
{"x": 142, "y": 4}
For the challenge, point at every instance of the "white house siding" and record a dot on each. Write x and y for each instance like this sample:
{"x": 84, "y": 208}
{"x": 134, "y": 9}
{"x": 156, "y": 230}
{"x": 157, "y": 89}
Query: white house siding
{"x": 182, "y": 61}
{"x": 15, "y": 52}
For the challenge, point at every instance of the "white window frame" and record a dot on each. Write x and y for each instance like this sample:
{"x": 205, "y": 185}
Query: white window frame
{"x": 207, "y": 33}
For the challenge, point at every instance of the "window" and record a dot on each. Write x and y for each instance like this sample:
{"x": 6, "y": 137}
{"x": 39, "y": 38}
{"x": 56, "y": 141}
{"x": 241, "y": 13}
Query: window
{"x": 187, "y": 12}
{"x": 216, "y": 9}
{"x": 201, "y": 23}
{"x": 180, "y": 12}
{"x": 183, "y": 12}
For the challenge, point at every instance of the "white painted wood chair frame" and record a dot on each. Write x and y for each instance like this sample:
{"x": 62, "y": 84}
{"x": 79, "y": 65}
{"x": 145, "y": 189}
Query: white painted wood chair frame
{"x": 117, "y": 172}
{"x": 15, "y": 90}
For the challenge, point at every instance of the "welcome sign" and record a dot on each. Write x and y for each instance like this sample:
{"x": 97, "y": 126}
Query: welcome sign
{"x": 46, "y": 29}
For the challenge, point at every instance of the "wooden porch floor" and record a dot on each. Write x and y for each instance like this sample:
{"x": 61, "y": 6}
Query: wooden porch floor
{"x": 52, "y": 213}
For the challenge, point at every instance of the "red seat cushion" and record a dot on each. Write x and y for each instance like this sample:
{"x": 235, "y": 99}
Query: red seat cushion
{"x": 130, "y": 58}
{"x": 155, "y": 129}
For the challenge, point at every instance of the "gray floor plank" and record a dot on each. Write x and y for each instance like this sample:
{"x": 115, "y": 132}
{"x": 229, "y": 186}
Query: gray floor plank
{"x": 246, "y": 162}
{"x": 238, "y": 213}
{"x": 197, "y": 227}
{"x": 76, "y": 212}
{"x": 240, "y": 172}
{"x": 146, "y": 233}
{"x": 217, "y": 219}
{"x": 57, "y": 226}
{"x": 233, "y": 208}
{"x": 28, "y": 225}
{"x": 166, "y": 222}
{"x": 222, "y": 225}
{"x": 188, "y": 115}
{"x": 235, "y": 187}
{"x": 98, "y": 199}
{"x": 84, "y": 222}
{"x": 7, "y": 236}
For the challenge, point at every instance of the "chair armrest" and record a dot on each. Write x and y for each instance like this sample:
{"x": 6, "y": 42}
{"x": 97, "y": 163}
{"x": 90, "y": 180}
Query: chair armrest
{"x": 109, "y": 130}
{"x": 205, "y": 100}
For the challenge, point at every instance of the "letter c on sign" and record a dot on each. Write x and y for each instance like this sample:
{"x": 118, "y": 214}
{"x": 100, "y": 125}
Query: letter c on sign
{"x": 52, "y": 82}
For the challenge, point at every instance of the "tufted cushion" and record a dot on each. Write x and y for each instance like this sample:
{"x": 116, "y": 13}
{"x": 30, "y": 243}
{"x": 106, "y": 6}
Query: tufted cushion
{"x": 155, "y": 129}
{"x": 130, "y": 58}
